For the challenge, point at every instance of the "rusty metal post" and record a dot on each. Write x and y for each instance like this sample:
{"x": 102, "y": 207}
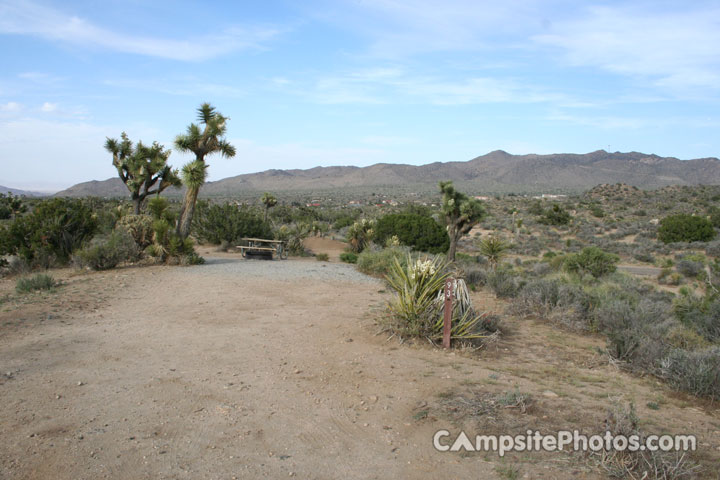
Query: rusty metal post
{"x": 447, "y": 322}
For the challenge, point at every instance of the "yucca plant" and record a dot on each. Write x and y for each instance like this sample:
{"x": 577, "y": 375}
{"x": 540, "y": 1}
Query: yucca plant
{"x": 416, "y": 286}
{"x": 418, "y": 306}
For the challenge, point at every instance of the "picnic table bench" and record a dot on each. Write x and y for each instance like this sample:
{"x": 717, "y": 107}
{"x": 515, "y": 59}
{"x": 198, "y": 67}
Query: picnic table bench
{"x": 262, "y": 247}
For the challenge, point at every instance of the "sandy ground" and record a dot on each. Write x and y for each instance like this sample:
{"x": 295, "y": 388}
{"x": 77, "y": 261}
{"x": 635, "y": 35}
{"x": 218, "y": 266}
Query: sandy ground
{"x": 218, "y": 371}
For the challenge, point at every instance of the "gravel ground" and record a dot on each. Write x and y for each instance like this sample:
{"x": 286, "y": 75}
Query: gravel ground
{"x": 282, "y": 270}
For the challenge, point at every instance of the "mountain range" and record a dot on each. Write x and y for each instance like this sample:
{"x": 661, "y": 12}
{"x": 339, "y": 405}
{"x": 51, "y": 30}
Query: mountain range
{"x": 495, "y": 172}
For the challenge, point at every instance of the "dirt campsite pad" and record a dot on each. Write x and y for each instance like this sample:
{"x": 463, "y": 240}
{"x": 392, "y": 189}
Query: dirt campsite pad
{"x": 249, "y": 369}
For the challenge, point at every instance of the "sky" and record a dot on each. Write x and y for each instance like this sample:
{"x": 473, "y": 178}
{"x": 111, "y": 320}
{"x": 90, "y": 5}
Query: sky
{"x": 343, "y": 82}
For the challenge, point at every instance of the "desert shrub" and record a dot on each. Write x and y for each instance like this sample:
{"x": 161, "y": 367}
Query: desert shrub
{"x": 685, "y": 228}
{"x": 217, "y": 223}
{"x": 689, "y": 268}
{"x": 686, "y": 338}
{"x": 322, "y": 257}
{"x": 701, "y": 314}
{"x": 713, "y": 249}
{"x": 555, "y": 215}
{"x": 343, "y": 221}
{"x": 419, "y": 232}
{"x": 378, "y": 262}
{"x": 554, "y": 299}
{"x": 40, "y": 281}
{"x": 11, "y": 206}
{"x": 642, "y": 255}
{"x": 475, "y": 276}
{"x": 597, "y": 211}
{"x": 53, "y": 230}
{"x": 106, "y": 252}
{"x": 641, "y": 463}
{"x": 591, "y": 260}
{"x": 504, "y": 282}
{"x": 697, "y": 372}
{"x": 349, "y": 257}
{"x": 140, "y": 227}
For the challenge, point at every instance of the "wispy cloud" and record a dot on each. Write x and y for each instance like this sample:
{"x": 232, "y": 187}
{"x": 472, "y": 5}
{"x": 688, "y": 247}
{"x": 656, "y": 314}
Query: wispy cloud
{"x": 185, "y": 86}
{"x": 28, "y": 18}
{"x": 407, "y": 27}
{"x": 395, "y": 85}
{"x": 677, "y": 49}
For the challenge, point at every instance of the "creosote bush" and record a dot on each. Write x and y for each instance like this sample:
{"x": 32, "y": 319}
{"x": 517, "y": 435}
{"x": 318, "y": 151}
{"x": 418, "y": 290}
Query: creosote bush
{"x": 591, "y": 260}
{"x": 106, "y": 252}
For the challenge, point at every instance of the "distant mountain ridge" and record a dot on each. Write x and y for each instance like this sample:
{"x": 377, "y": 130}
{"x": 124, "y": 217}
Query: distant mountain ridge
{"x": 16, "y": 191}
{"x": 494, "y": 172}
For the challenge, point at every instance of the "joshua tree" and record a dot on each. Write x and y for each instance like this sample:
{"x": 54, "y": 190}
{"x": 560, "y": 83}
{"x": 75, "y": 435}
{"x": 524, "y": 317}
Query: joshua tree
{"x": 269, "y": 200}
{"x": 202, "y": 142}
{"x": 461, "y": 214}
{"x": 141, "y": 168}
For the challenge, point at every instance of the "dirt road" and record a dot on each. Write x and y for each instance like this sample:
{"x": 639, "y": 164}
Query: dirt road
{"x": 251, "y": 369}
{"x": 208, "y": 372}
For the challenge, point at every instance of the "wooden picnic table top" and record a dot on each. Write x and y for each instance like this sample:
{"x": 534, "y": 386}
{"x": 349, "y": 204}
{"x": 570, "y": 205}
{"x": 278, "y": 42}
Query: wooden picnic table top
{"x": 261, "y": 240}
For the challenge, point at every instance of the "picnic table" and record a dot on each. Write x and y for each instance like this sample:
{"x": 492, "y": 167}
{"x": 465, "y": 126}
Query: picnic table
{"x": 262, "y": 247}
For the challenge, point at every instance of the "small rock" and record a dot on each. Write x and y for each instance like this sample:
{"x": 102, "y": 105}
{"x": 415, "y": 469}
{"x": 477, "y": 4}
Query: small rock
{"x": 550, "y": 394}
{"x": 80, "y": 384}
{"x": 348, "y": 340}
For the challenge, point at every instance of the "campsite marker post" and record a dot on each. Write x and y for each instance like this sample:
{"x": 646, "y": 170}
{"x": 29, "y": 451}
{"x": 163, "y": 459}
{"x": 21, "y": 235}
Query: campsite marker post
{"x": 447, "y": 322}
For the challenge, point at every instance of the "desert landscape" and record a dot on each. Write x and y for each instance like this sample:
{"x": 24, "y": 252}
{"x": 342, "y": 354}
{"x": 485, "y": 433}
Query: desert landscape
{"x": 242, "y": 368}
{"x": 378, "y": 239}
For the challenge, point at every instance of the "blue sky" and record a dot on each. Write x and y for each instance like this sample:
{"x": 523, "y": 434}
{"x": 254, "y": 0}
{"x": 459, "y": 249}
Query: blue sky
{"x": 353, "y": 82}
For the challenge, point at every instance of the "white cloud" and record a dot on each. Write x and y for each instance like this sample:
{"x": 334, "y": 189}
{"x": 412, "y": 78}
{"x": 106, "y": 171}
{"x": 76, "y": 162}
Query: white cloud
{"x": 679, "y": 48}
{"x": 48, "y": 107}
{"x": 393, "y": 85}
{"x": 10, "y": 107}
{"x": 28, "y": 18}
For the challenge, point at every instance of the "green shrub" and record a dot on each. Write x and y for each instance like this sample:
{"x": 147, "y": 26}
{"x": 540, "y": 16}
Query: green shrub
{"x": 349, "y": 257}
{"x": 685, "y": 228}
{"x": 378, "y": 263}
{"x": 591, "y": 260}
{"x": 53, "y": 230}
{"x": 556, "y": 215}
{"x": 229, "y": 223}
{"x": 40, "y": 281}
{"x": 105, "y": 253}
{"x": 322, "y": 257}
{"x": 417, "y": 231}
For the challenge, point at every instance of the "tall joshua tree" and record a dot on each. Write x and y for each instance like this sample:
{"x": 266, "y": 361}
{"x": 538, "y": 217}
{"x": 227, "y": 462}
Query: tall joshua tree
{"x": 143, "y": 169}
{"x": 461, "y": 214}
{"x": 202, "y": 140}
{"x": 269, "y": 200}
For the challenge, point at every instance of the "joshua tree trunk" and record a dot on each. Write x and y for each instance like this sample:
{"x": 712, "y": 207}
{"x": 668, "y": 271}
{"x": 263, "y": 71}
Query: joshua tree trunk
{"x": 266, "y": 213}
{"x": 138, "y": 204}
{"x": 454, "y": 237}
{"x": 187, "y": 212}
